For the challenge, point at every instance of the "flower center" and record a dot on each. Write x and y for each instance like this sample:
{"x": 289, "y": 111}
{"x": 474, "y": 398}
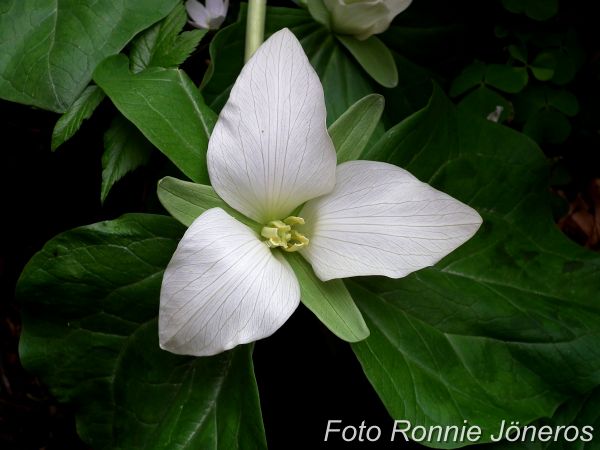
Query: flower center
{"x": 281, "y": 233}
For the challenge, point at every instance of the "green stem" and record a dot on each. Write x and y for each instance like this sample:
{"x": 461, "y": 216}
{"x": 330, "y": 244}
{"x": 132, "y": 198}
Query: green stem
{"x": 255, "y": 26}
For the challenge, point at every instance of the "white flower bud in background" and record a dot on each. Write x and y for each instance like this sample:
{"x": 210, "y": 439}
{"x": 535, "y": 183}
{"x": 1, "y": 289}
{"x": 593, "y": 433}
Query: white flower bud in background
{"x": 363, "y": 18}
{"x": 209, "y": 17}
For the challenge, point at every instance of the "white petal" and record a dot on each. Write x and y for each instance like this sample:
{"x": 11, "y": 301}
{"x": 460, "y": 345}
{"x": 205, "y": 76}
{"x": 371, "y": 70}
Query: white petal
{"x": 395, "y": 8}
{"x": 270, "y": 151}
{"x": 216, "y": 8}
{"x": 198, "y": 14}
{"x": 223, "y": 287}
{"x": 381, "y": 220}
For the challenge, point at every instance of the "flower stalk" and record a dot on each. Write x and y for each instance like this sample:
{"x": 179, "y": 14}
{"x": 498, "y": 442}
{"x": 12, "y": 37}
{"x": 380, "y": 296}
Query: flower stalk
{"x": 255, "y": 26}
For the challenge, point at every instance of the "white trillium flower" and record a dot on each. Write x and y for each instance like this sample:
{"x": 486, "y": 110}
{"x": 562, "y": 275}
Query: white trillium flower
{"x": 209, "y": 17}
{"x": 363, "y": 18}
{"x": 268, "y": 156}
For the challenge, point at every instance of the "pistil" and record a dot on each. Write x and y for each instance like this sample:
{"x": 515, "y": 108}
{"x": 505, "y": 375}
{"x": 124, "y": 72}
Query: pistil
{"x": 281, "y": 233}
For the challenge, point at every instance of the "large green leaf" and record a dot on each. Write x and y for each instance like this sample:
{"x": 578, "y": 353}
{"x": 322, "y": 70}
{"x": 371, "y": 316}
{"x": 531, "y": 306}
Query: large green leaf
{"x": 411, "y": 94}
{"x": 482, "y": 101}
{"x": 580, "y": 412}
{"x": 507, "y": 326}
{"x": 166, "y": 107}
{"x": 90, "y": 300}
{"x": 49, "y": 48}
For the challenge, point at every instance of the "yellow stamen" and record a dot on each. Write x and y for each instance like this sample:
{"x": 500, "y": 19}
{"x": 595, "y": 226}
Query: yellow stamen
{"x": 294, "y": 220}
{"x": 281, "y": 234}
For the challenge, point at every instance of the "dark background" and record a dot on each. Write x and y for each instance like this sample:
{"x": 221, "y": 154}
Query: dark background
{"x": 305, "y": 375}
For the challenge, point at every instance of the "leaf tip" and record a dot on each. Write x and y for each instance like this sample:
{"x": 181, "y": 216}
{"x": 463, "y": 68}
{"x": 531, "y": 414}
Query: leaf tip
{"x": 54, "y": 144}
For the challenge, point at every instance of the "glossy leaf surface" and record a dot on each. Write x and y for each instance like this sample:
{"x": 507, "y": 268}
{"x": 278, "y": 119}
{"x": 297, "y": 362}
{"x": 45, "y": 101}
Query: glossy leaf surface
{"x": 90, "y": 300}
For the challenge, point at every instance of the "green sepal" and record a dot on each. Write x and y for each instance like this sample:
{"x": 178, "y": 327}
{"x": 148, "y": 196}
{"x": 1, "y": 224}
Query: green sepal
{"x": 185, "y": 201}
{"x": 352, "y": 131}
{"x": 49, "y": 49}
{"x": 374, "y": 57}
{"x": 330, "y": 301}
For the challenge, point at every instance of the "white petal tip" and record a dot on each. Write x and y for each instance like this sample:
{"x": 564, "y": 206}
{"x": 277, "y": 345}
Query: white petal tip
{"x": 270, "y": 151}
{"x": 381, "y": 220}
